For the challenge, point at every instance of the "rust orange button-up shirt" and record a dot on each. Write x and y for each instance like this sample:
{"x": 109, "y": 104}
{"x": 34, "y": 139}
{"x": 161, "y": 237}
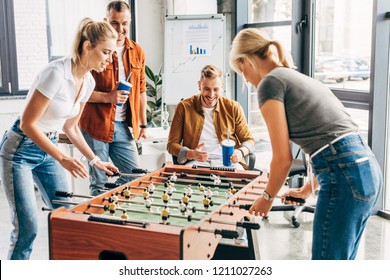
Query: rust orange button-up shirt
{"x": 98, "y": 118}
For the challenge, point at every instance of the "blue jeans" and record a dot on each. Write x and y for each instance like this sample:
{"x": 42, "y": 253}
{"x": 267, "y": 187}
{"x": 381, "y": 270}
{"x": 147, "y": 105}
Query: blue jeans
{"x": 21, "y": 164}
{"x": 122, "y": 151}
{"x": 350, "y": 182}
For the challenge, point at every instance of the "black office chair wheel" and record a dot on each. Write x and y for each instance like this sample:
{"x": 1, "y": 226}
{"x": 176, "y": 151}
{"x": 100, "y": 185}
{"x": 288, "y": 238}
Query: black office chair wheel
{"x": 295, "y": 222}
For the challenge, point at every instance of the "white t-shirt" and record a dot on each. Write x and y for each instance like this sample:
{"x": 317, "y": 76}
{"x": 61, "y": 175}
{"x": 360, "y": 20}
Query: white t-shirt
{"x": 56, "y": 82}
{"x": 209, "y": 136}
{"x": 212, "y": 145}
{"x": 120, "y": 113}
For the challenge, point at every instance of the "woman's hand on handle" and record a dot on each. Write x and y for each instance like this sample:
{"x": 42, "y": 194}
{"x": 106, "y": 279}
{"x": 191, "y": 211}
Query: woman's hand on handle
{"x": 261, "y": 207}
{"x": 107, "y": 167}
{"x": 75, "y": 167}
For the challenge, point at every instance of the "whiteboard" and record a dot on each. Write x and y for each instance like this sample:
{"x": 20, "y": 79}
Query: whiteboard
{"x": 191, "y": 42}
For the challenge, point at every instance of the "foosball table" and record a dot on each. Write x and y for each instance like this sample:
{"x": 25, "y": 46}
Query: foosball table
{"x": 176, "y": 212}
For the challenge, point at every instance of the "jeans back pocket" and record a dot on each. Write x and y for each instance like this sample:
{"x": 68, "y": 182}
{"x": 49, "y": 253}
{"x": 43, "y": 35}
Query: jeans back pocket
{"x": 363, "y": 176}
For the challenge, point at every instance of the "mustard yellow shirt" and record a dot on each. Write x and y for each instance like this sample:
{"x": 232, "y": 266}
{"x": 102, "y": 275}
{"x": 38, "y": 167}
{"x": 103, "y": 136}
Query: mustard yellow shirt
{"x": 188, "y": 120}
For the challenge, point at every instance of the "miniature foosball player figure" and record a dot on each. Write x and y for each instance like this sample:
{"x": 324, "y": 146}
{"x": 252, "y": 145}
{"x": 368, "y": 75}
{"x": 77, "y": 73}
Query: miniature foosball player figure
{"x": 148, "y": 203}
{"x": 217, "y": 179}
{"x": 151, "y": 188}
{"x": 185, "y": 199}
{"x": 114, "y": 198}
{"x": 165, "y": 197}
{"x": 173, "y": 177}
{"x": 188, "y": 191}
{"x": 229, "y": 193}
{"x": 182, "y": 207}
{"x": 208, "y": 192}
{"x": 165, "y": 215}
{"x": 126, "y": 192}
{"x": 167, "y": 183}
{"x": 201, "y": 187}
{"x": 124, "y": 215}
{"x": 112, "y": 207}
{"x": 145, "y": 194}
{"x": 170, "y": 189}
{"x": 206, "y": 202}
{"x": 232, "y": 190}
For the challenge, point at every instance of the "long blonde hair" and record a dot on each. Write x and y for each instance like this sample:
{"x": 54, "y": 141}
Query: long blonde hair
{"x": 252, "y": 42}
{"x": 92, "y": 31}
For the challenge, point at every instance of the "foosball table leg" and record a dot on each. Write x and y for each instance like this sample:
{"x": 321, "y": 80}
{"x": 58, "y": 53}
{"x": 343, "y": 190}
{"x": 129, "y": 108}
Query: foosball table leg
{"x": 240, "y": 251}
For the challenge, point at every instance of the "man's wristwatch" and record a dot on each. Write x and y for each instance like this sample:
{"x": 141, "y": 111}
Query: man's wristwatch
{"x": 267, "y": 196}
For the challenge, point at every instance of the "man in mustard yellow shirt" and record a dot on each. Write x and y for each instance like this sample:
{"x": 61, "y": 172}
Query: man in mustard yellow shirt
{"x": 203, "y": 121}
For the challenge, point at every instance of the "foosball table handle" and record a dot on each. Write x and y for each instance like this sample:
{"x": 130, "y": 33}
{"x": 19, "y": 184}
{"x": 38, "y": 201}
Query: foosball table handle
{"x": 301, "y": 201}
{"x": 227, "y": 233}
{"x": 248, "y": 225}
{"x": 111, "y": 185}
{"x": 133, "y": 171}
{"x": 63, "y": 194}
{"x": 139, "y": 170}
{"x": 245, "y": 206}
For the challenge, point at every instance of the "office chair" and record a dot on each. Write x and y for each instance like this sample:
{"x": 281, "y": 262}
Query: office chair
{"x": 250, "y": 159}
{"x": 296, "y": 179}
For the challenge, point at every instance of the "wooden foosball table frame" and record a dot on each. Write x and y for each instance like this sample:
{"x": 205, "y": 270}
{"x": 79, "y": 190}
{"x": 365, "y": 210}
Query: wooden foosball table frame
{"x": 73, "y": 236}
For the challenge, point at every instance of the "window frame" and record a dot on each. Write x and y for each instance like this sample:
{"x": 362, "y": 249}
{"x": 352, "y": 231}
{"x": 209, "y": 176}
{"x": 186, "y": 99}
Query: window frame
{"x": 375, "y": 100}
{"x": 9, "y": 71}
{"x": 8, "y": 51}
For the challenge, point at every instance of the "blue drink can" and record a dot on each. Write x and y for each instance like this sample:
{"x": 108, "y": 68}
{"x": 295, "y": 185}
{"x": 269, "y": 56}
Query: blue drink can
{"x": 227, "y": 151}
{"x": 123, "y": 85}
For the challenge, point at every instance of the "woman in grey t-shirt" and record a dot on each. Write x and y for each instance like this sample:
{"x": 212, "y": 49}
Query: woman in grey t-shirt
{"x": 298, "y": 108}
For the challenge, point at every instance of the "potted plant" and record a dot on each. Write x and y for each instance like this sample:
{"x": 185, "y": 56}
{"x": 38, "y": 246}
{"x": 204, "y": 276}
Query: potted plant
{"x": 154, "y": 98}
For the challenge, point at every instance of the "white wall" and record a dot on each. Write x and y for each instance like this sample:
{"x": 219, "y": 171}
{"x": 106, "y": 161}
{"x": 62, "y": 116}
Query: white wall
{"x": 150, "y": 31}
{"x": 150, "y": 35}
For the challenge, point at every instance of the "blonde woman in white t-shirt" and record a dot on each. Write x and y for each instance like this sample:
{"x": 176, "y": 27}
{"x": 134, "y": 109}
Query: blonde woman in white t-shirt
{"x": 29, "y": 152}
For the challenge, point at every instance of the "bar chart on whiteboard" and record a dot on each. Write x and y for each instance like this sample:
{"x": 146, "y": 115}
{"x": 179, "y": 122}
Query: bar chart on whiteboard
{"x": 191, "y": 43}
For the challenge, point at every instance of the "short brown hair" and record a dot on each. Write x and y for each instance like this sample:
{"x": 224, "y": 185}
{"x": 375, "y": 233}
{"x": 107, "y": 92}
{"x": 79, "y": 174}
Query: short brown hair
{"x": 211, "y": 72}
{"x": 118, "y": 6}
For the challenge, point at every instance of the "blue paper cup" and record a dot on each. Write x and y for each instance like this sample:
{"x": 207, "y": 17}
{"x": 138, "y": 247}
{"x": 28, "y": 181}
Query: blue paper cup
{"x": 123, "y": 85}
{"x": 227, "y": 151}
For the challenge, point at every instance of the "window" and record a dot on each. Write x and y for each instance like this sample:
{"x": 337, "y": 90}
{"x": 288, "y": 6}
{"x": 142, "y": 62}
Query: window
{"x": 34, "y": 39}
{"x": 343, "y": 43}
{"x": 275, "y": 18}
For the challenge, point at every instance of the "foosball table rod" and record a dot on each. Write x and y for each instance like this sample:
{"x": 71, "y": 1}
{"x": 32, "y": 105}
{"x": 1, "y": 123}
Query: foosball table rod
{"x": 183, "y": 175}
{"x": 246, "y": 225}
{"x": 107, "y": 219}
{"x": 207, "y": 183}
{"x": 106, "y": 208}
{"x": 224, "y": 233}
{"x": 192, "y": 209}
{"x": 114, "y": 185}
{"x": 301, "y": 201}
{"x": 135, "y": 172}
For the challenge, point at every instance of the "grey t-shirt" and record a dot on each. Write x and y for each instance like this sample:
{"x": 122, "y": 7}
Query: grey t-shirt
{"x": 314, "y": 115}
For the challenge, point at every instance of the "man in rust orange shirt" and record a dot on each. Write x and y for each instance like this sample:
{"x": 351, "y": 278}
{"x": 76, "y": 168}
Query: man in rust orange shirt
{"x": 110, "y": 112}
